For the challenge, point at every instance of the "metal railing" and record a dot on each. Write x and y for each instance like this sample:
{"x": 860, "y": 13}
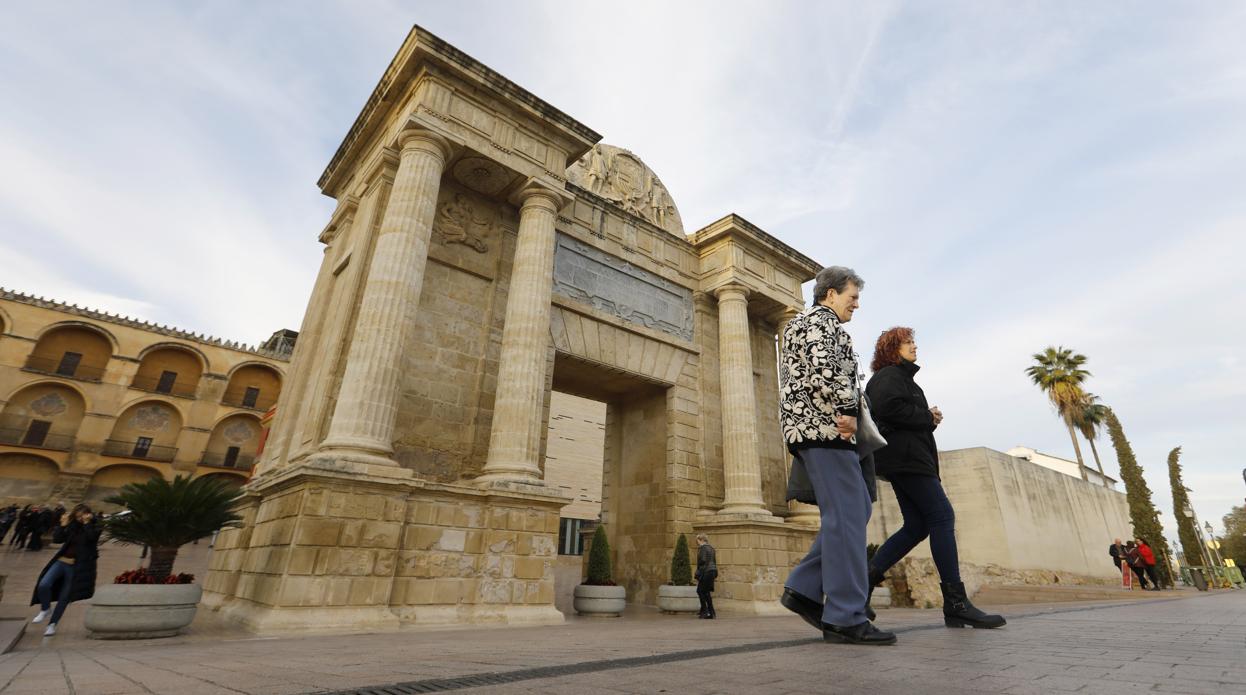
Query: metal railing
{"x": 242, "y": 462}
{"x": 237, "y": 398}
{"x": 130, "y": 449}
{"x": 52, "y": 365}
{"x": 185, "y": 389}
{"x": 13, "y": 436}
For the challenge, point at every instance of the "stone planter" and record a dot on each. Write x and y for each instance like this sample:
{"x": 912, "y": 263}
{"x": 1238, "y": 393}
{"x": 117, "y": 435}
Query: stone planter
{"x": 678, "y": 599}
{"x": 605, "y": 601}
{"x": 141, "y": 611}
{"x": 881, "y": 598}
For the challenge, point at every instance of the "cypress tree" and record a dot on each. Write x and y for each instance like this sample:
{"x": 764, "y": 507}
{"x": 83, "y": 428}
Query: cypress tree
{"x": 1142, "y": 513}
{"x": 681, "y": 570}
{"x": 1180, "y": 500}
{"x": 599, "y": 573}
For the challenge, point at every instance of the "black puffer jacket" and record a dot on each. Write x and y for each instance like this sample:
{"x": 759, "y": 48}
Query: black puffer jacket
{"x": 899, "y": 408}
{"x": 84, "y": 539}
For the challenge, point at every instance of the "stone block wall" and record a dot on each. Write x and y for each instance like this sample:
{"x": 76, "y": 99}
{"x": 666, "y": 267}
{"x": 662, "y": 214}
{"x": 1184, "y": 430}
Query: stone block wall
{"x": 754, "y": 559}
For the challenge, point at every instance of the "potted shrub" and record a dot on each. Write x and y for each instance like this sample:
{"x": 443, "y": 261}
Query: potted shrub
{"x": 680, "y": 596}
{"x": 163, "y": 515}
{"x": 599, "y": 595}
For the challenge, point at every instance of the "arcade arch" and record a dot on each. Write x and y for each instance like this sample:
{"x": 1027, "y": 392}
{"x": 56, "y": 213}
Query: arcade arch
{"x": 171, "y": 369}
{"x": 73, "y": 350}
{"x": 109, "y": 480}
{"x": 146, "y": 430}
{"x": 26, "y": 478}
{"x": 44, "y": 415}
{"x": 233, "y": 443}
{"x": 254, "y": 386}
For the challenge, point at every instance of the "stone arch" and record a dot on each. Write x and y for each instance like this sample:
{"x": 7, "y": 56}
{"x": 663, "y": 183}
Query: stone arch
{"x": 235, "y": 480}
{"x": 45, "y": 414}
{"x": 253, "y": 385}
{"x": 6, "y": 321}
{"x": 148, "y": 429}
{"x": 234, "y": 442}
{"x": 172, "y": 368}
{"x": 72, "y": 349}
{"x": 107, "y": 481}
{"x": 26, "y": 478}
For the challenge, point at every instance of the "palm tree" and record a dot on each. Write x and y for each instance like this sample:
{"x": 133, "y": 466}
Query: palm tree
{"x": 1090, "y": 418}
{"x": 1058, "y": 372}
{"x": 167, "y": 515}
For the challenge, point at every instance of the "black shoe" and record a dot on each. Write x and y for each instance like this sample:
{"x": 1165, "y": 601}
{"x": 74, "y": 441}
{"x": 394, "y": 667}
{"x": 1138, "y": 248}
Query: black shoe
{"x": 862, "y": 633}
{"x": 809, "y": 610}
{"x": 959, "y": 612}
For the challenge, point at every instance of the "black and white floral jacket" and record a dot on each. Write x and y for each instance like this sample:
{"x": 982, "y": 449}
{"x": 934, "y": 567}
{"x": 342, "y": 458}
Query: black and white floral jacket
{"x": 817, "y": 378}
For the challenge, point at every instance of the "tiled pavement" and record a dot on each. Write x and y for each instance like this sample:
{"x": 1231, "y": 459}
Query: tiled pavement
{"x": 1191, "y": 644}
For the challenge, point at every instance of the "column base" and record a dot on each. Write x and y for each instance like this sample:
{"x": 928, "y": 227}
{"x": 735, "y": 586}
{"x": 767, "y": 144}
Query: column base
{"x": 506, "y": 479}
{"x": 754, "y": 559}
{"x": 268, "y": 620}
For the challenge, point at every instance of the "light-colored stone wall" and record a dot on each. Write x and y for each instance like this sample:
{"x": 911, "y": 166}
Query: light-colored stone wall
{"x": 575, "y": 451}
{"x": 1015, "y": 522}
{"x": 111, "y": 397}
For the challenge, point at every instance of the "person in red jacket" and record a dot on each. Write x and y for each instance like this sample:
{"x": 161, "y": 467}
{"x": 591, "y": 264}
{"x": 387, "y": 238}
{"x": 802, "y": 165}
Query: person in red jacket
{"x": 1148, "y": 563}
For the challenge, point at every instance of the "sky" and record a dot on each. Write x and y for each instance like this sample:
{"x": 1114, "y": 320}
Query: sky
{"x": 1004, "y": 176}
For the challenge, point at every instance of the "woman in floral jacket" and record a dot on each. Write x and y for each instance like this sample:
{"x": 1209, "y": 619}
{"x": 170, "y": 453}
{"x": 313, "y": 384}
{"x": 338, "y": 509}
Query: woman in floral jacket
{"x": 819, "y": 402}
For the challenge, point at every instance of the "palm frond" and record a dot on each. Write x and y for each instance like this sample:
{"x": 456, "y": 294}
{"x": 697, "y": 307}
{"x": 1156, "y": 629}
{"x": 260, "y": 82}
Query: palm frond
{"x": 164, "y": 514}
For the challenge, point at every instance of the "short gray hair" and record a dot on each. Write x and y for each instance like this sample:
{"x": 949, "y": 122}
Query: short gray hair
{"x": 835, "y": 277}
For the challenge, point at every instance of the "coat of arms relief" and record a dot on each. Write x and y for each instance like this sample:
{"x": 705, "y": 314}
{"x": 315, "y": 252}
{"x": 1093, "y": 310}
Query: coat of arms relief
{"x": 620, "y": 177}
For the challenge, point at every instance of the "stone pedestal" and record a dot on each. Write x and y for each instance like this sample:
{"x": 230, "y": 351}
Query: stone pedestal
{"x": 337, "y": 545}
{"x": 754, "y": 559}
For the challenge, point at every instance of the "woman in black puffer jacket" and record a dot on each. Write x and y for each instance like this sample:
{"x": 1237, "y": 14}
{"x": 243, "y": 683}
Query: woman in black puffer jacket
{"x": 70, "y": 575}
{"x": 910, "y": 462}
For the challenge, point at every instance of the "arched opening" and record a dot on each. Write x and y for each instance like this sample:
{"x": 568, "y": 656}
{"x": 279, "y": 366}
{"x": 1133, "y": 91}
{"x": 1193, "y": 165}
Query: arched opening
{"x": 234, "y": 480}
{"x": 42, "y": 416}
{"x": 109, "y": 480}
{"x": 26, "y": 479}
{"x": 76, "y": 351}
{"x": 146, "y": 430}
{"x": 169, "y": 369}
{"x": 234, "y": 443}
{"x": 253, "y": 386}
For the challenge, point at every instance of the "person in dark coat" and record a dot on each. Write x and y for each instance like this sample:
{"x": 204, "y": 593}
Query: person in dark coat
{"x": 1117, "y": 551}
{"x": 70, "y": 575}
{"x": 22, "y": 531}
{"x": 41, "y": 524}
{"x": 910, "y": 462}
{"x": 7, "y": 518}
{"x": 707, "y": 572}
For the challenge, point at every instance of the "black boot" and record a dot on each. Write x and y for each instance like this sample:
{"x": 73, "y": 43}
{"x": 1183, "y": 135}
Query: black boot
{"x": 709, "y": 607}
{"x": 876, "y": 578}
{"x": 959, "y": 612}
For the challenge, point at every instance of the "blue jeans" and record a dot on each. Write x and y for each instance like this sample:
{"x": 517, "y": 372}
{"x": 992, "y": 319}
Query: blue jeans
{"x": 835, "y": 565}
{"x": 65, "y": 574}
{"x": 927, "y": 512}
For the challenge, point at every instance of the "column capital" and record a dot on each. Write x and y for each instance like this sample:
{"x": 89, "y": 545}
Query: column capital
{"x": 425, "y": 140}
{"x": 783, "y": 315}
{"x": 535, "y": 192}
{"x": 732, "y": 292}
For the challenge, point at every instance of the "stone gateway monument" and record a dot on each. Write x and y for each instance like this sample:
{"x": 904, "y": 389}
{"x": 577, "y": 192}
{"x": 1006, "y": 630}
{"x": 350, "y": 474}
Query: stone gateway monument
{"x": 487, "y": 249}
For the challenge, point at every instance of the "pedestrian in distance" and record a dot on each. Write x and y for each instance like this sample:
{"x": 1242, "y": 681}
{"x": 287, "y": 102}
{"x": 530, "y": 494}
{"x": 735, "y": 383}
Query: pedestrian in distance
{"x": 22, "y": 530}
{"x": 1134, "y": 559}
{"x": 707, "y": 572}
{"x": 70, "y": 574}
{"x": 910, "y": 462}
{"x": 819, "y": 403}
{"x": 1117, "y": 551}
{"x": 7, "y": 518}
{"x": 39, "y": 525}
{"x": 1148, "y": 563}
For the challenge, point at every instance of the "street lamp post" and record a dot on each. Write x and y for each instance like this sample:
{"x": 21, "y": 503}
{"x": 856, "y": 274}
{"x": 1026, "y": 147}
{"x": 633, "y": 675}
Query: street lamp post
{"x": 1214, "y": 545}
{"x": 1198, "y": 532}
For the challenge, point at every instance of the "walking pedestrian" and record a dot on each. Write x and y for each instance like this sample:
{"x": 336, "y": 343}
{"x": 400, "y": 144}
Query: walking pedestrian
{"x": 707, "y": 572}
{"x": 1148, "y": 563}
{"x": 910, "y": 462}
{"x": 70, "y": 574}
{"x": 820, "y": 402}
{"x": 7, "y": 518}
{"x": 22, "y": 531}
{"x": 41, "y": 524}
{"x": 1117, "y": 551}
{"x": 1134, "y": 559}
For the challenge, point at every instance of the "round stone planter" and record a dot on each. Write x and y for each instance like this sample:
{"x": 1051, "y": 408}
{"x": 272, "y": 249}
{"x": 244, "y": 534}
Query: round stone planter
{"x": 678, "y": 599}
{"x": 599, "y": 600}
{"x": 141, "y": 611}
{"x": 881, "y": 598}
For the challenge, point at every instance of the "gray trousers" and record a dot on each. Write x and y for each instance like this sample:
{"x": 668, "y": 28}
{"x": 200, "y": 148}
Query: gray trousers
{"x": 835, "y": 566}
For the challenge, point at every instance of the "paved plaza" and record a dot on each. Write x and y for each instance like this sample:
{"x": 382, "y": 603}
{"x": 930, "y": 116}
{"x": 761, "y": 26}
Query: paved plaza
{"x": 1188, "y": 643}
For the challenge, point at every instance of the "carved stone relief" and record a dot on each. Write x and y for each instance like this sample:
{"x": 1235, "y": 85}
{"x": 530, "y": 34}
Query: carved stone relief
{"x": 482, "y": 175}
{"x": 620, "y": 177}
{"x": 460, "y": 220}
{"x": 48, "y": 405}
{"x": 151, "y": 418}
{"x": 616, "y": 287}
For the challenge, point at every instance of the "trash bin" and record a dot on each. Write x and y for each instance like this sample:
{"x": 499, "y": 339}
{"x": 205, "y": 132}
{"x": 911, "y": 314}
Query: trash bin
{"x": 1200, "y": 581}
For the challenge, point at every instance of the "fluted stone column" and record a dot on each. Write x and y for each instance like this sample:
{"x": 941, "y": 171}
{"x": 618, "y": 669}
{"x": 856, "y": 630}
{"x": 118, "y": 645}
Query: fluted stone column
{"x": 798, "y": 512}
{"x": 515, "y": 438}
{"x": 367, "y": 405}
{"x": 741, "y": 465}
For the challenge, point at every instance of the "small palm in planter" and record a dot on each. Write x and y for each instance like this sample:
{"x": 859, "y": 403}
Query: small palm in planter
{"x": 599, "y": 595}
{"x": 164, "y": 516}
{"x": 680, "y": 596}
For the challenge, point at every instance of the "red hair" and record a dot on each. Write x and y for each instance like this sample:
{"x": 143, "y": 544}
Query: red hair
{"x": 887, "y": 349}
